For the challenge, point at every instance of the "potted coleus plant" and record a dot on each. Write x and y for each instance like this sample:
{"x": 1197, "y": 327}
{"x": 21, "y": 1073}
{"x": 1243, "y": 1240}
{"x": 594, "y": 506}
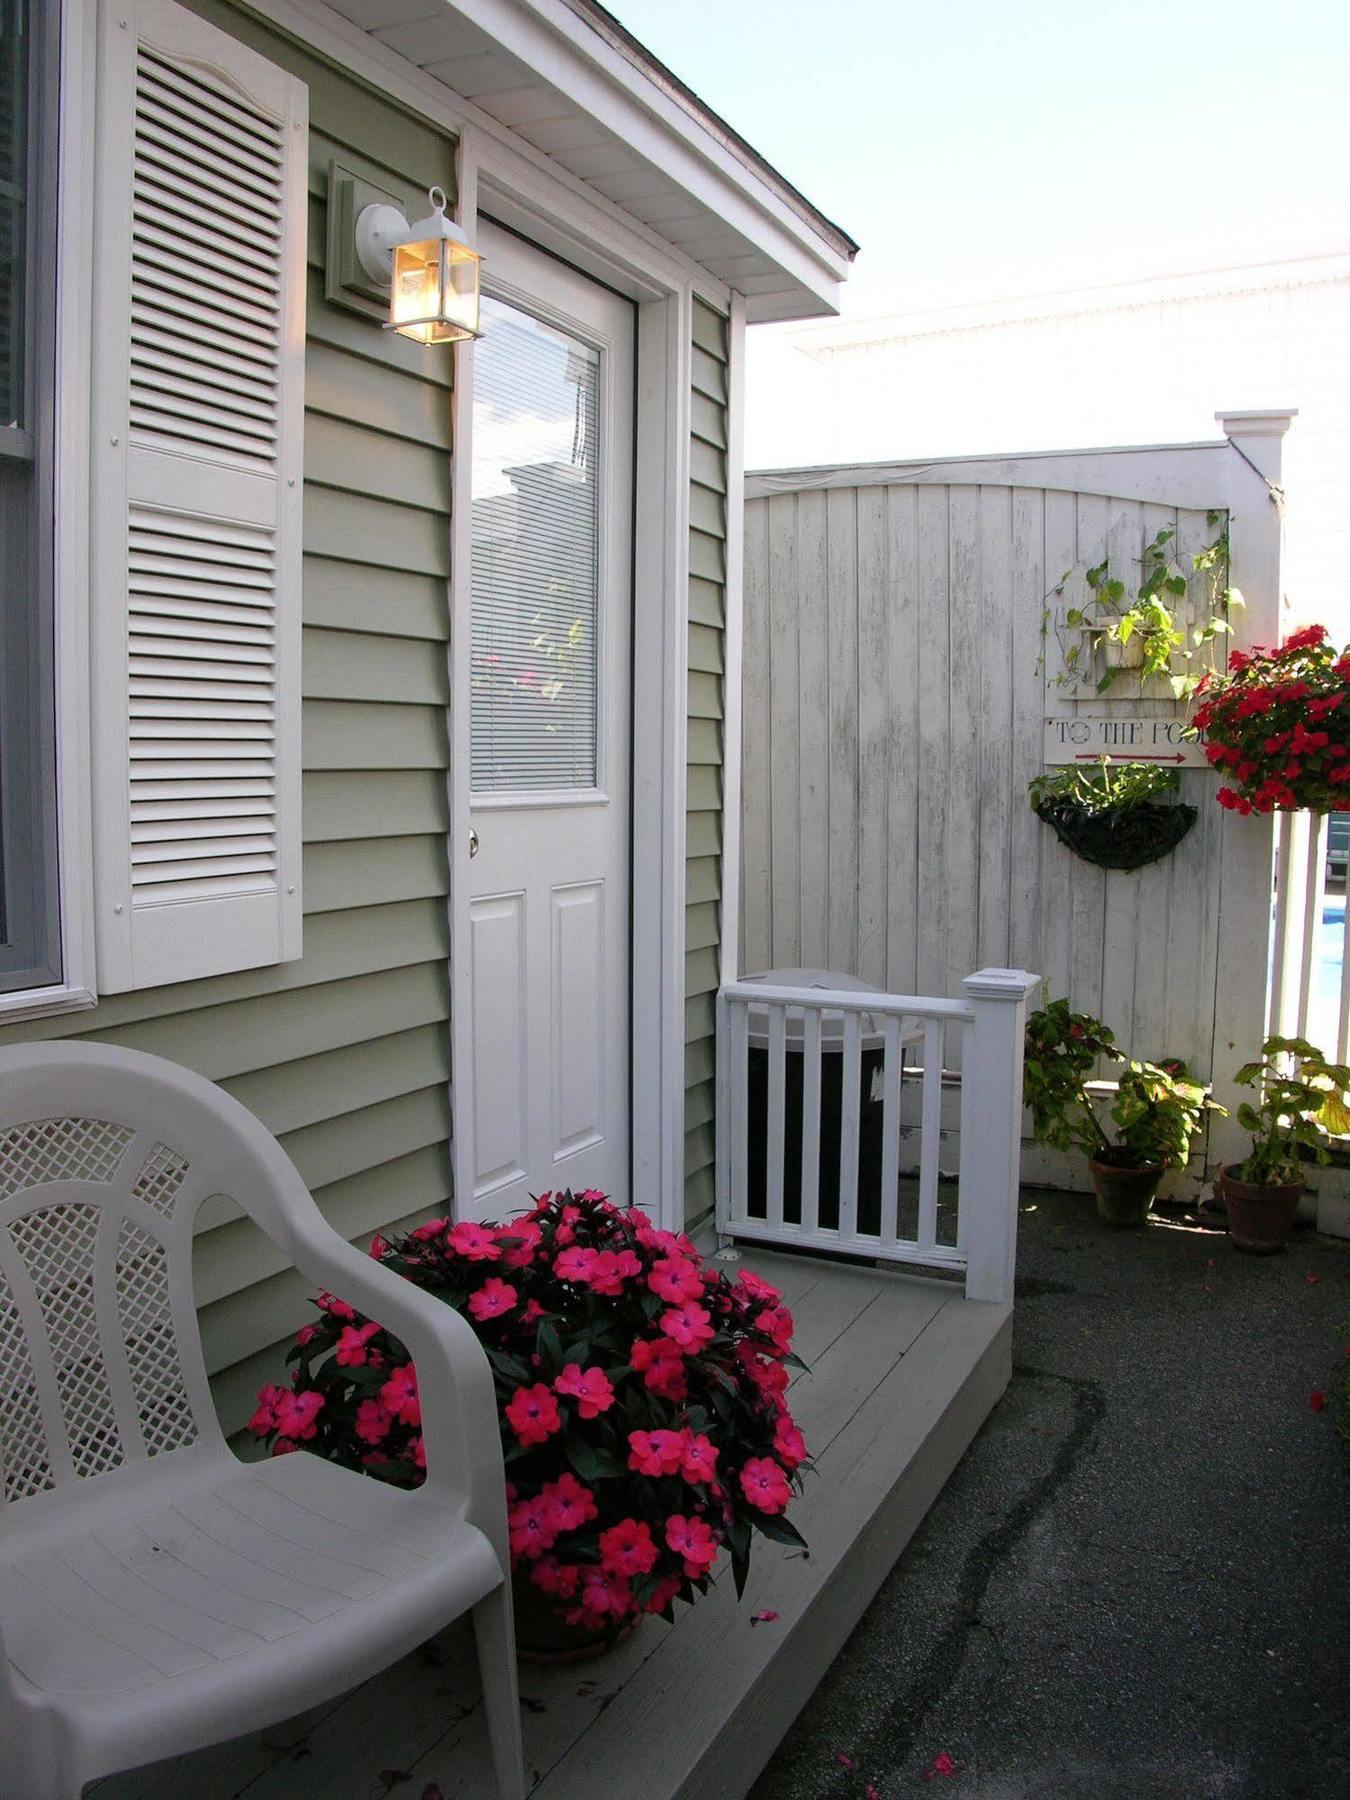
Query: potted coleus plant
{"x": 1118, "y": 816}
{"x": 1277, "y": 724}
{"x": 641, "y": 1393}
{"x": 1302, "y": 1101}
{"x": 1156, "y": 1109}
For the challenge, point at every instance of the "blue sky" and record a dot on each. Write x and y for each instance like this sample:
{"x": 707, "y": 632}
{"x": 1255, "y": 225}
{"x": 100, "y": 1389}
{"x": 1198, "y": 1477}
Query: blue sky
{"x": 977, "y": 150}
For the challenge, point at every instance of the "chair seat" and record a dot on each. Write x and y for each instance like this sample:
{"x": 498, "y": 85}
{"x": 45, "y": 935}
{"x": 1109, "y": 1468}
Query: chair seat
{"x": 254, "y": 1573}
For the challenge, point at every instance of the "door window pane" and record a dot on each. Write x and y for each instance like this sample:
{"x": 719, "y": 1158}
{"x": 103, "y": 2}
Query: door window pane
{"x": 13, "y": 225}
{"x": 536, "y": 537}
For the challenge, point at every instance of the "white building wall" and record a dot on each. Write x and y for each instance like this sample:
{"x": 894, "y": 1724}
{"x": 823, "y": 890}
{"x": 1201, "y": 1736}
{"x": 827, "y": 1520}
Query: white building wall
{"x": 1147, "y": 362}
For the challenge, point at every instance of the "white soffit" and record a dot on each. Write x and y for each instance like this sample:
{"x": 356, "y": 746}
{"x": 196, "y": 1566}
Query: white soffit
{"x": 565, "y": 77}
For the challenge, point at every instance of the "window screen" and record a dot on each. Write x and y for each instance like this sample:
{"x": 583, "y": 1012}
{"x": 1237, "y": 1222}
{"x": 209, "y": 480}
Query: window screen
{"x": 536, "y": 535}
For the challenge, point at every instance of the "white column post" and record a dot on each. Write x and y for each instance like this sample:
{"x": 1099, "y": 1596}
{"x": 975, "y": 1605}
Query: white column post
{"x": 1247, "y": 846}
{"x": 991, "y": 1128}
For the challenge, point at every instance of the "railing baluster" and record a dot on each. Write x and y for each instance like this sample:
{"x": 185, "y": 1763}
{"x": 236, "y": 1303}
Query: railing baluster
{"x": 811, "y": 1120}
{"x": 738, "y": 1065}
{"x": 775, "y": 1122}
{"x": 1343, "y": 1013}
{"x": 930, "y": 1132}
{"x": 1314, "y": 884}
{"x": 850, "y": 1103}
{"x": 890, "y": 1132}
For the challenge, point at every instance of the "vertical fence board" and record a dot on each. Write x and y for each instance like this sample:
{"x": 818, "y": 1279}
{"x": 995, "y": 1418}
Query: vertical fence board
{"x": 841, "y": 574}
{"x": 871, "y": 725}
{"x": 902, "y": 740}
{"x": 813, "y": 703}
{"x": 787, "y": 546}
{"x": 756, "y": 745}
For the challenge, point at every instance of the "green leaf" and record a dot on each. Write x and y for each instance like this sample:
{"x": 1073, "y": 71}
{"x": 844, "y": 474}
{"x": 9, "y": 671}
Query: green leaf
{"x": 550, "y": 1348}
{"x": 591, "y": 1462}
{"x": 775, "y": 1527}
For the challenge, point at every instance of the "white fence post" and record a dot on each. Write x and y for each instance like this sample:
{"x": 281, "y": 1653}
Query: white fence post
{"x": 991, "y": 1128}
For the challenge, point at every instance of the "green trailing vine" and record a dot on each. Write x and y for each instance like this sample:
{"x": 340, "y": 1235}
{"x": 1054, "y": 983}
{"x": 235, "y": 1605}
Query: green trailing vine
{"x": 1146, "y": 620}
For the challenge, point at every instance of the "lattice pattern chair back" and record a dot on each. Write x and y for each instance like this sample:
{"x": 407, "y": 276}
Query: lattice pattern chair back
{"x": 102, "y": 1171}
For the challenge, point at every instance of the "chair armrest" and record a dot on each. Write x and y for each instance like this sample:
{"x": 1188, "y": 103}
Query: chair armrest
{"x": 454, "y": 1379}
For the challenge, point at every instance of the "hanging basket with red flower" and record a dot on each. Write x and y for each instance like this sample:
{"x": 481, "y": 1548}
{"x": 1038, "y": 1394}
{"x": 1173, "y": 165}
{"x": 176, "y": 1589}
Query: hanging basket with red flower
{"x": 642, "y": 1397}
{"x": 1278, "y": 726}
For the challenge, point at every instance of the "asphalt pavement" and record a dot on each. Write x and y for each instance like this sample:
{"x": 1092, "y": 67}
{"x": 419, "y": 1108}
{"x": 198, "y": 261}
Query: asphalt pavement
{"x": 1137, "y": 1582}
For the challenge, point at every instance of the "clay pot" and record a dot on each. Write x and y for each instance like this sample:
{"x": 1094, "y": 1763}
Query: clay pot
{"x": 544, "y": 1636}
{"x": 1259, "y": 1218}
{"x": 1125, "y": 1195}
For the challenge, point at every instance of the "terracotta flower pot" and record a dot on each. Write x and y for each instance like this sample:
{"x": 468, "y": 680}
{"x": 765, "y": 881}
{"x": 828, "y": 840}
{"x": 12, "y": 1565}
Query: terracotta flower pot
{"x": 1259, "y": 1218}
{"x": 544, "y": 1636}
{"x": 1124, "y": 1195}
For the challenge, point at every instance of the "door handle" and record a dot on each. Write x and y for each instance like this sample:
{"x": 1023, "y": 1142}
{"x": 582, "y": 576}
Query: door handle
{"x": 473, "y": 843}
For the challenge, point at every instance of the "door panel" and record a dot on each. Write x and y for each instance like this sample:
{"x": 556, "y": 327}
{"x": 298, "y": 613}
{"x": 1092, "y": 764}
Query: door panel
{"x": 550, "y": 732}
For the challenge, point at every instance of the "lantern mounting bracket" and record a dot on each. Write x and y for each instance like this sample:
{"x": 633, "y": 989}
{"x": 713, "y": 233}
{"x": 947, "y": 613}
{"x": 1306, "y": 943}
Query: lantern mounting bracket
{"x": 379, "y": 228}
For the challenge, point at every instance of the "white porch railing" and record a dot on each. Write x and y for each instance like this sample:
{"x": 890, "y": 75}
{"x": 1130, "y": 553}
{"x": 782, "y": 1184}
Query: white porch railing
{"x": 776, "y": 1172}
{"x": 1307, "y": 999}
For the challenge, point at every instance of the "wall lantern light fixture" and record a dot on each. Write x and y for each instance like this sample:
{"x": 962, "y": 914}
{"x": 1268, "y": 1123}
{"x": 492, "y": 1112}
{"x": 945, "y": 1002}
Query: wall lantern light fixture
{"x": 431, "y": 268}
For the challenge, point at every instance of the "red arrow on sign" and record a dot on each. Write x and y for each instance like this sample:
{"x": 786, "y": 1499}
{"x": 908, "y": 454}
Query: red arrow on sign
{"x": 1124, "y": 756}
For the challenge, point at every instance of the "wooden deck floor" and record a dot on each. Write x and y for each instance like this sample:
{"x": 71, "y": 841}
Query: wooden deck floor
{"x": 903, "y": 1372}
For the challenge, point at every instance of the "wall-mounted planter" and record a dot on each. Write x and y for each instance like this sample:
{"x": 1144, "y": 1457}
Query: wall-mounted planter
{"x": 1118, "y": 837}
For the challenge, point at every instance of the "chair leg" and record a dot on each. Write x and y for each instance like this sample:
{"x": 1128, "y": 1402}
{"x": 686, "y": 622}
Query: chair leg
{"x": 495, "y": 1632}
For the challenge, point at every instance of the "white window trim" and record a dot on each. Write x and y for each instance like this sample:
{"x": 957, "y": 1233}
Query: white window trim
{"x": 74, "y": 259}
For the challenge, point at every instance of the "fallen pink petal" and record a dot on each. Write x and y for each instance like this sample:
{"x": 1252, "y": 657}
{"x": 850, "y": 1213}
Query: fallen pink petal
{"x": 844, "y": 1760}
{"x": 1311, "y": 1279}
{"x": 942, "y": 1765}
{"x": 765, "y": 1618}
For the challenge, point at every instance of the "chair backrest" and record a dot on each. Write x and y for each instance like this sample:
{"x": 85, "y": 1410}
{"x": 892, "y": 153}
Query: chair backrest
{"x": 105, "y": 1157}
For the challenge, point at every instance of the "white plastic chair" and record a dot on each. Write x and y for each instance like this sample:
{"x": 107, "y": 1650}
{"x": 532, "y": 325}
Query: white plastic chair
{"x": 156, "y": 1594}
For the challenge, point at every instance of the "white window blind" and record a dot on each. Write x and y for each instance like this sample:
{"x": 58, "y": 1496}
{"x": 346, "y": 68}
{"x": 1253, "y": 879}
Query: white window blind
{"x": 199, "y": 298}
{"x": 536, "y": 536}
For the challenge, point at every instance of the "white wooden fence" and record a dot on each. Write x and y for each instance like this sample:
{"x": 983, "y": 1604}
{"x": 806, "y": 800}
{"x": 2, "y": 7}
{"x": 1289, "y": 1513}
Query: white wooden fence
{"x": 986, "y": 1022}
{"x": 899, "y": 668}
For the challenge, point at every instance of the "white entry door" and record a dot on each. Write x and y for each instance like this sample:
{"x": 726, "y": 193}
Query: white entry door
{"x": 550, "y": 732}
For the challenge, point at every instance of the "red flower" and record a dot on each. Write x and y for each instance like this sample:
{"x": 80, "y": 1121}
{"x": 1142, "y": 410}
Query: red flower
{"x": 655, "y": 1452}
{"x": 789, "y": 1442}
{"x": 473, "y": 1242}
{"x": 757, "y": 1287}
{"x": 694, "y": 1541}
{"x": 627, "y": 1549}
{"x": 296, "y": 1415}
{"x": 351, "y": 1344}
{"x": 570, "y": 1504}
{"x": 765, "y": 1485}
{"x": 590, "y": 1389}
{"x": 1306, "y": 639}
{"x": 265, "y": 1418}
{"x": 603, "y": 1596}
{"x": 531, "y": 1527}
{"x": 533, "y": 1414}
{"x": 494, "y": 1298}
{"x": 698, "y": 1463}
{"x": 689, "y": 1325}
{"x": 338, "y": 1308}
{"x": 518, "y": 1239}
{"x": 675, "y": 1279}
{"x": 611, "y": 1269}
{"x": 666, "y": 1590}
{"x": 574, "y": 1264}
{"x": 661, "y": 1365}
{"x": 399, "y": 1394}
{"x": 559, "y": 1579}
{"x": 373, "y": 1422}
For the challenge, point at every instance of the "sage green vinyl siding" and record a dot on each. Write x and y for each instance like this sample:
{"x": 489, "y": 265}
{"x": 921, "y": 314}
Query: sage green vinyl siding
{"x": 703, "y": 850}
{"x": 344, "y": 1054}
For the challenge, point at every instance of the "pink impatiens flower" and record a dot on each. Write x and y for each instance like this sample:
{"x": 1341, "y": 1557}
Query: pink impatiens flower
{"x": 603, "y": 1596}
{"x": 757, "y": 1287}
{"x": 611, "y": 1269}
{"x": 675, "y": 1279}
{"x": 494, "y": 1298}
{"x": 351, "y": 1344}
{"x": 689, "y": 1325}
{"x": 571, "y": 1504}
{"x": 789, "y": 1442}
{"x": 574, "y": 1264}
{"x": 557, "y": 1578}
{"x": 338, "y": 1308}
{"x": 765, "y": 1485}
{"x": 374, "y": 1422}
{"x": 590, "y": 1389}
{"x": 399, "y": 1394}
{"x": 627, "y": 1549}
{"x": 655, "y": 1452}
{"x": 695, "y": 1541}
{"x": 296, "y": 1415}
{"x": 531, "y": 1527}
{"x": 533, "y": 1414}
{"x": 698, "y": 1463}
{"x": 265, "y": 1418}
{"x": 660, "y": 1363}
{"x": 473, "y": 1242}
{"x": 519, "y": 1239}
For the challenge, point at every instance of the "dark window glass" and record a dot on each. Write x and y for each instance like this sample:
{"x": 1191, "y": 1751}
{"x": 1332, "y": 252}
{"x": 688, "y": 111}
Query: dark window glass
{"x": 29, "y": 918}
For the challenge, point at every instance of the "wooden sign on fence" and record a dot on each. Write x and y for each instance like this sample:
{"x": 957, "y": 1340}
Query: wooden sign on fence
{"x": 1087, "y": 737}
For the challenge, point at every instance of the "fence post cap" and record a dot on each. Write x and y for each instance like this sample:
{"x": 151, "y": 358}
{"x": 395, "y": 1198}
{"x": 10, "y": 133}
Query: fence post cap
{"x": 1000, "y": 984}
{"x": 1266, "y": 421}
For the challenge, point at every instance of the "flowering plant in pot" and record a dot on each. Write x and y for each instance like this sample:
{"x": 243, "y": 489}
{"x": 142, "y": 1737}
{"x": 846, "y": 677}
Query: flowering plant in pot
{"x": 1278, "y": 724}
{"x": 1302, "y": 1101}
{"x": 641, "y": 1395}
{"x": 1157, "y": 1109}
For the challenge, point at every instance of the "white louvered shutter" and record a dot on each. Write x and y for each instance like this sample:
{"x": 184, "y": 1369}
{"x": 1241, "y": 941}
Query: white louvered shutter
{"x": 199, "y": 294}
